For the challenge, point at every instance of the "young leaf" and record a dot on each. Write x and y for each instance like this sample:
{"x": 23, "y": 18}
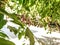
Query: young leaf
{"x": 2, "y": 23}
{"x": 20, "y": 1}
{"x": 30, "y": 35}
{"x": 19, "y": 23}
{"x": 13, "y": 16}
{"x": 1, "y": 16}
{"x": 20, "y": 34}
{"x": 13, "y": 29}
{"x": 3, "y": 35}
{"x": 5, "y": 42}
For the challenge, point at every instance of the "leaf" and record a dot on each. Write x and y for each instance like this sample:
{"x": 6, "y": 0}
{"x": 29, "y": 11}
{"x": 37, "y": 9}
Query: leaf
{"x": 27, "y": 8}
{"x": 3, "y": 35}
{"x": 20, "y": 1}
{"x": 1, "y": 16}
{"x": 2, "y": 11}
{"x": 2, "y": 23}
{"x": 13, "y": 16}
{"x": 14, "y": 0}
{"x": 20, "y": 34}
{"x": 5, "y": 42}
{"x": 19, "y": 23}
{"x": 30, "y": 35}
{"x": 32, "y": 2}
{"x": 13, "y": 29}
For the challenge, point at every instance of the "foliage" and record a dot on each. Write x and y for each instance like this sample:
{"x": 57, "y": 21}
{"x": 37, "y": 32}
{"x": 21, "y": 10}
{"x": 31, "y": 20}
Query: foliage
{"x": 3, "y": 35}
{"x": 43, "y": 13}
{"x": 30, "y": 35}
{"x": 5, "y": 42}
{"x": 2, "y": 22}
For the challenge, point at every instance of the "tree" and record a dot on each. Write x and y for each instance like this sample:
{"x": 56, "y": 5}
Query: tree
{"x": 42, "y": 13}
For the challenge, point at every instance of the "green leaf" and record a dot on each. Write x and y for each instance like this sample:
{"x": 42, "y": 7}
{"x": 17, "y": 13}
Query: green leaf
{"x": 14, "y": 0}
{"x": 27, "y": 8}
{"x": 20, "y": 1}
{"x": 20, "y": 35}
{"x": 13, "y": 29}
{"x": 5, "y": 42}
{"x": 19, "y": 23}
{"x": 2, "y": 11}
{"x": 2, "y": 23}
{"x": 3, "y": 35}
{"x": 30, "y": 35}
{"x": 1, "y": 16}
{"x": 32, "y": 2}
{"x": 13, "y": 16}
